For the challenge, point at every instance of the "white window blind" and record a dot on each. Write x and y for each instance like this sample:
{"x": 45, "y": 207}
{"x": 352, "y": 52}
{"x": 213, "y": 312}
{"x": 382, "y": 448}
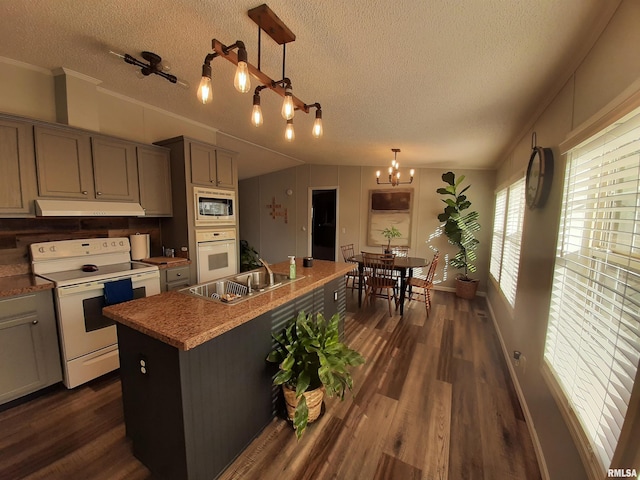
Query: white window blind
{"x": 498, "y": 234}
{"x": 593, "y": 334}
{"x": 507, "y": 235}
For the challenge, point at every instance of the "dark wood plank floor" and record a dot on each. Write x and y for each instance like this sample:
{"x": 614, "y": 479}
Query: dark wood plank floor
{"x": 433, "y": 401}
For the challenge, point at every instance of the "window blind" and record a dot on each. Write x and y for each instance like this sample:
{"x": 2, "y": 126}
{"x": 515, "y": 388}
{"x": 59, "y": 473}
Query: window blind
{"x": 512, "y": 239}
{"x": 593, "y": 335}
{"x": 498, "y": 234}
{"x": 507, "y": 235}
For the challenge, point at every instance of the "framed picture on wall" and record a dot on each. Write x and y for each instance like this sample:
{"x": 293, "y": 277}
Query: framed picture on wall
{"x": 390, "y": 208}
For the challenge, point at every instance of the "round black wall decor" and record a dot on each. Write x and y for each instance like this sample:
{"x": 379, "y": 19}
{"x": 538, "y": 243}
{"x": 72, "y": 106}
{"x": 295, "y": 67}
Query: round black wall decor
{"x": 539, "y": 175}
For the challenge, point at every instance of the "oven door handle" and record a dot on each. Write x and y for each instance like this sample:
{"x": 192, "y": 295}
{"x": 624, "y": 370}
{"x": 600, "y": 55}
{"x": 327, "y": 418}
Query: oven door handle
{"x": 98, "y": 285}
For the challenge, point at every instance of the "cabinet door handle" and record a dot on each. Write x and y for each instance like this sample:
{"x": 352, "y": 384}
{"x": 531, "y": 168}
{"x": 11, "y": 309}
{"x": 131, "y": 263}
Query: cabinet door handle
{"x": 178, "y": 274}
{"x": 84, "y": 192}
{"x": 98, "y": 193}
{"x": 35, "y": 322}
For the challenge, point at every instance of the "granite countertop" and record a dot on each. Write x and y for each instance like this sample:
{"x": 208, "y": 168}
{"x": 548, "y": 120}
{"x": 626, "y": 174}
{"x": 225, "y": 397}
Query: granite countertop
{"x": 186, "y": 321}
{"x": 167, "y": 262}
{"x": 22, "y": 284}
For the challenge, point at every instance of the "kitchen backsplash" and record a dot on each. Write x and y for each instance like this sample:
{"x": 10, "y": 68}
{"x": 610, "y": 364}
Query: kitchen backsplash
{"x": 16, "y": 234}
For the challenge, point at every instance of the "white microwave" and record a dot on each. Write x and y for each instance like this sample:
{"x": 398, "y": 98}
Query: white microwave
{"x": 214, "y": 207}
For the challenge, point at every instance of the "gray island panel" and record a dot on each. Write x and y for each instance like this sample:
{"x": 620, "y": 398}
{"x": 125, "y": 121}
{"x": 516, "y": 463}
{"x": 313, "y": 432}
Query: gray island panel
{"x": 193, "y": 411}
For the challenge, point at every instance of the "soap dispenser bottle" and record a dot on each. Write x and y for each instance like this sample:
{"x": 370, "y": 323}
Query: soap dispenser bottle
{"x": 292, "y": 267}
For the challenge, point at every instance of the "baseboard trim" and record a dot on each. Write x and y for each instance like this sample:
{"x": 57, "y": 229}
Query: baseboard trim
{"x": 542, "y": 464}
{"x": 453, "y": 290}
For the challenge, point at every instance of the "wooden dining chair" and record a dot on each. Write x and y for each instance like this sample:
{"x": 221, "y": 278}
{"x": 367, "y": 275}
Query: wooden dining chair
{"x": 347, "y": 254}
{"x": 380, "y": 281}
{"x": 423, "y": 286}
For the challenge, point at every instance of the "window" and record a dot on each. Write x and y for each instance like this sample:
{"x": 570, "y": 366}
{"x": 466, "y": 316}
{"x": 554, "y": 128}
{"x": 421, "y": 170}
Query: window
{"x": 507, "y": 234}
{"x": 593, "y": 336}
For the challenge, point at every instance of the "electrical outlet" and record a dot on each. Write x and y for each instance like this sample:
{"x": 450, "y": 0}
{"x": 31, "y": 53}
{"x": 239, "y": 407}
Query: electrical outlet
{"x": 516, "y": 358}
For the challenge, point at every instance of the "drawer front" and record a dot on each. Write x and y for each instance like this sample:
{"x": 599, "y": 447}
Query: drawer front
{"x": 175, "y": 274}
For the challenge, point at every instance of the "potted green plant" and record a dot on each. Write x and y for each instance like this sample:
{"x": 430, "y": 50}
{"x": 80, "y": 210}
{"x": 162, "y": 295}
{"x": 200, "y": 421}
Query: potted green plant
{"x": 389, "y": 234}
{"x": 249, "y": 257}
{"x": 460, "y": 228}
{"x": 312, "y": 361}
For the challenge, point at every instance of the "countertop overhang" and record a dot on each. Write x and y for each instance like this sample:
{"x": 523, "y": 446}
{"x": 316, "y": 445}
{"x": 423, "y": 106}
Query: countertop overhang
{"x": 186, "y": 321}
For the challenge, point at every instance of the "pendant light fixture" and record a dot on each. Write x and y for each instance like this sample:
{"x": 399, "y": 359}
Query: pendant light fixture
{"x": 316, "y": 131}
{"x": 241, "y": 81}
{"x": 268, "y": 21}
{"x": 394, "y": 172}
{"x": 256, "y": 112}
{"x": 289, "y": 134}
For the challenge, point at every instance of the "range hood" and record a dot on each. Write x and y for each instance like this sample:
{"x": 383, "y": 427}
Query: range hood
{"x": 81, "y": 208}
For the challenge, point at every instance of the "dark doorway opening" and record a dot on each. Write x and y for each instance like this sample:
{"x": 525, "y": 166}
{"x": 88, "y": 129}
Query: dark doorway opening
{"x": 323, "y": 224}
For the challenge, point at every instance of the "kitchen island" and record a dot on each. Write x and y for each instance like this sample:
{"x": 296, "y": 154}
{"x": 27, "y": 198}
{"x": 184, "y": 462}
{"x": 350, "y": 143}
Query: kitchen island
{"x": 196, "y": 387}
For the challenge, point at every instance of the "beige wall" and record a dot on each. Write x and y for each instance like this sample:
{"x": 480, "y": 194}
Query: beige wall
{"x": 78, "y": 100}
{"x": 611, "y": 66}
{"x": 275, "y": 240}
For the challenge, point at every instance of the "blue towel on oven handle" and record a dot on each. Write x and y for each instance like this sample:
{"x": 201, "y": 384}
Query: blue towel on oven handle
{"x": 118, "y": 291}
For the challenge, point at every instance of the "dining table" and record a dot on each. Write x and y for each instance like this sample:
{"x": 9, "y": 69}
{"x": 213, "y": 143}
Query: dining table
{"x": 401, "y": 264}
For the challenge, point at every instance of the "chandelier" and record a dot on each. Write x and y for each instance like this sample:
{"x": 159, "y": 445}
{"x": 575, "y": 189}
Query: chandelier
{"x": 394, "y": 172}
{"x": 268, "y": 21}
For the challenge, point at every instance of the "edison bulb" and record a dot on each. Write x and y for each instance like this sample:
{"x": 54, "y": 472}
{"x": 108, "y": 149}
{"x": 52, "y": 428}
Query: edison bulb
{"x": 205, "y": 91}
{"x": 288, "y": 110}
{"x": 289, "y": 134}
{"x": 317, "y": 128}
{"x": 241, "y": 81}
{"x": 256, "y": 115}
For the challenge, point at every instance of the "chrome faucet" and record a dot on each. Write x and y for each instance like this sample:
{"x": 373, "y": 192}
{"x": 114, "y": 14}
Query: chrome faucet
{"x": 266, "y": 265}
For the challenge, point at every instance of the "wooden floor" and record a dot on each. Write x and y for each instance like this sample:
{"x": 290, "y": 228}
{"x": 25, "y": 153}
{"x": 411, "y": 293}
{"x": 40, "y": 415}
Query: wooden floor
{"x": 433, "y": 401}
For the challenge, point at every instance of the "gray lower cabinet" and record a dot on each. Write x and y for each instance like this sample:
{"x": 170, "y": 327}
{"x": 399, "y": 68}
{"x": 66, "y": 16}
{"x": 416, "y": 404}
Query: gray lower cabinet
{"x": 190, "y": 413}
{"x": 29, "y": 352}
{"x": 154, "y": 178}
{"x": 17, "y": 168}
{"x": 174, "y": 278}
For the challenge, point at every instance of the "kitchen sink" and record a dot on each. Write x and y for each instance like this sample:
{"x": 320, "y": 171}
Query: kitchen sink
{"x": 238, "y": 288}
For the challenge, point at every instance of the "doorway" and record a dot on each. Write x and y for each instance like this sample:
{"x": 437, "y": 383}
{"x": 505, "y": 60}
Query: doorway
{"x": 324, "y": 213}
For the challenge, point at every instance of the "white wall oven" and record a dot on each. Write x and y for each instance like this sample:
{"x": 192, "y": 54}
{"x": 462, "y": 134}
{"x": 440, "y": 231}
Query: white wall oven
{"x": 217, "y": 254}
{"x": 214, "y": 207}
{"x": 83, "y": 271}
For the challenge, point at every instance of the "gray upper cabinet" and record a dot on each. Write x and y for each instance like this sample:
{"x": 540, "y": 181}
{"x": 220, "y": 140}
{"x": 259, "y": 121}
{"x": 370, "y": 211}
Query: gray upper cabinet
{"x": 74, "y": 164}
{"x": 154, "y": 176}
{"x": 211, "y": 166}
{"x": 115, "y": 170}
{"x": 17, "y": 168}
{"x": 63, "y": 159}
{"x": 224, "y": 169}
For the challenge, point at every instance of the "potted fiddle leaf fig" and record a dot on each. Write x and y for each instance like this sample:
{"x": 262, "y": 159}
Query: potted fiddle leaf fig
{"x": 390, "y": 234}
{"x": 312, "y": 361}
{"x": 460, "y": 227}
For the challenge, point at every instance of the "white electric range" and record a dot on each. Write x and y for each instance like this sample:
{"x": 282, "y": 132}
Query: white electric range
{"x": 80, "y": 269}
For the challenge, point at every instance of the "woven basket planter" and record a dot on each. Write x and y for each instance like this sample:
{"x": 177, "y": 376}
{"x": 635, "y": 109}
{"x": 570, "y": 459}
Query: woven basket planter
{"x": 466, "y": 288}
{"x": 314, "y": 402}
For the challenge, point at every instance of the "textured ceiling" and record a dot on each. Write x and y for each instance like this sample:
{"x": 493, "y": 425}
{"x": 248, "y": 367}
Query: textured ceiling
{"x": 451, "y": 83}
